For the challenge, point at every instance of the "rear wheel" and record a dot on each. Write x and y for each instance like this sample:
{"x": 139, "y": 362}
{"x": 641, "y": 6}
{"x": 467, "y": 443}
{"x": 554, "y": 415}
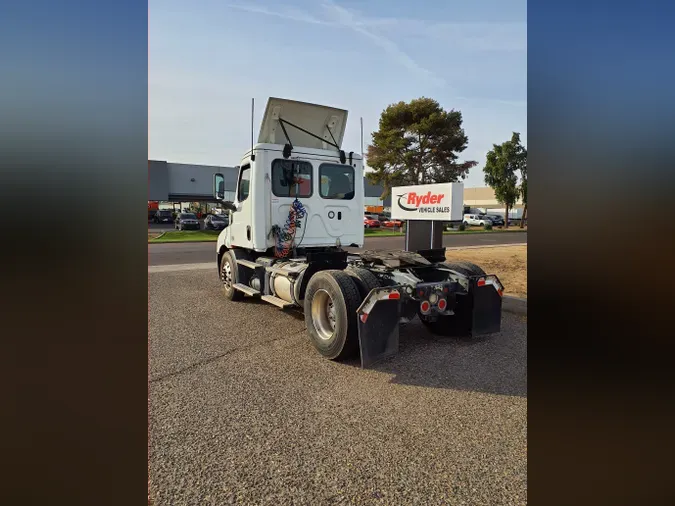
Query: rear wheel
{"x": 331, "y": 301}
{"x": 472, "y": 268}
{"x": 364, "y": 279}
{"x": 228, "y": 276}
{"x": 449, "y": 325}
{"x": 466, "y": 268}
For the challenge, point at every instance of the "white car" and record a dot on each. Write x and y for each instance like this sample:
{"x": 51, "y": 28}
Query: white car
{"x": 476, "y": 220}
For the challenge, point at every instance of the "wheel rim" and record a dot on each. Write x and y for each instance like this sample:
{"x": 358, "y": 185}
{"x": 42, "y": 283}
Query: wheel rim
{"x": 323, "y": 314}
{"x": 227, "y": 275}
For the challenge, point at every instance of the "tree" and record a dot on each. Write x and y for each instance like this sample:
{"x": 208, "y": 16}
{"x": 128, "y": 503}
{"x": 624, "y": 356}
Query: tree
{"x": 501, "y": 165}
{"x": 417, "y": 143}
{"x": 523, "y": 188}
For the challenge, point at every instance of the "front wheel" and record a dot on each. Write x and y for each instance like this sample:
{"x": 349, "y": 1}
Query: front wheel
{"x": 228, "y": 276}
{"x": 331, "y": 301}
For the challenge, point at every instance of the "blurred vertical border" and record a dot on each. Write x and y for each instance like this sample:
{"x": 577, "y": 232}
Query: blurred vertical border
{"x": 73, "y": 156}
{"x": 601, "y": 178}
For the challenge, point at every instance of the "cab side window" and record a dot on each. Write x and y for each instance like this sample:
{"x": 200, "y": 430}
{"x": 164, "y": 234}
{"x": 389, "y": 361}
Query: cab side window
{"x": 244, "y": 183}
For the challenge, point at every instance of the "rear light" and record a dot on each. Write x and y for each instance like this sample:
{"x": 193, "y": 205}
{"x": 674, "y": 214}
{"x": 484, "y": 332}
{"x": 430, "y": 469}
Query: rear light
{"x": 394, "y": 295}
{"x": 364, "y": 317}
{"x": 425, "y": 306}
{"x": 481, "y": 282}
{"x": 442, "y": 304}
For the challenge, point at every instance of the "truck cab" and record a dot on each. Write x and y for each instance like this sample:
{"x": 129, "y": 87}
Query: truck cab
{"x": 298, "y": 157}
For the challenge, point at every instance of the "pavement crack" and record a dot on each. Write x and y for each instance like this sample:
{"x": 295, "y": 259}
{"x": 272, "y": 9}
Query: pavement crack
{"x": 208, "y": 360}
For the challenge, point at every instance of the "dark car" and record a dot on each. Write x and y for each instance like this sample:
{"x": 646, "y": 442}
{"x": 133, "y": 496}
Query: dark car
{"x": 215, "y": 222}
{"x": 186, "y": 221}
{"x": 163, "y": 217}
{"x": 496, "y": 219}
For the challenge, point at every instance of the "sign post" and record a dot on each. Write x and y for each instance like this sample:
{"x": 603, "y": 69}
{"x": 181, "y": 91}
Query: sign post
{"x": 425, "y": 208}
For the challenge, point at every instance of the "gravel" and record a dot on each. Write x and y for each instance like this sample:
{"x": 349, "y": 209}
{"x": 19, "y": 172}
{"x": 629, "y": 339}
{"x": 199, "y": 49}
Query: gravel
{"x": 244, "y": 411}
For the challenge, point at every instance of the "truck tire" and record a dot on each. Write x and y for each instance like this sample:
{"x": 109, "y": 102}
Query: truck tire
{"x": 477, "y": 271}
{"x": 364, "y": 279}
{"x": 331, "y": 301}
{"x": 466, "y": 268}
{"x": 456, "y": 266}
{"x": 446, "y": 325}
{"x": 228, "y": 276}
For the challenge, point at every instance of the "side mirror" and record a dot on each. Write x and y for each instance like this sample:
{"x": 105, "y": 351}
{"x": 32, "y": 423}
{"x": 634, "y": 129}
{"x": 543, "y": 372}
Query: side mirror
{"x": 219, "y": 186}
{"x": 229, "y": 206}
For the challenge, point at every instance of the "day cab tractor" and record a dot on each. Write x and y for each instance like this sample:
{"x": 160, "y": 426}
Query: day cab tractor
{"x": 298, "y": 204}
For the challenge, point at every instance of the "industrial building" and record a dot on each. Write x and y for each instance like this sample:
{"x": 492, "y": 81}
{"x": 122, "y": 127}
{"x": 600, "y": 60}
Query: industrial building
{"x": 180, "y": 185}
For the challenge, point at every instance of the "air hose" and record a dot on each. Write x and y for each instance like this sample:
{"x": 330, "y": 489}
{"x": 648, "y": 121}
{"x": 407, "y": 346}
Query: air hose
{"x": 285, "y": 236}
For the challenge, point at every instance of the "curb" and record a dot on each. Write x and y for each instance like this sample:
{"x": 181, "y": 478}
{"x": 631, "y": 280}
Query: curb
{"x": 488, "y": 246}
{"x": 469, "y": 232}
{"x": 514, "y": 305}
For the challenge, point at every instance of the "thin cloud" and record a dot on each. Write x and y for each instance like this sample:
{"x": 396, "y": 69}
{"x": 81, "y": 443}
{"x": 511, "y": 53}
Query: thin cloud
{"x": 473, "y": 37}
{"x": 348, "y": 19}
{"x": 289, "y": 14}
{"x": 512, "y": 103}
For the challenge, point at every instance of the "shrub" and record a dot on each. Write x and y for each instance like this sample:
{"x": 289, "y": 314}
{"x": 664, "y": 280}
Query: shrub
{"x": 488, "y": 226}
{"x": 462, "y": 227}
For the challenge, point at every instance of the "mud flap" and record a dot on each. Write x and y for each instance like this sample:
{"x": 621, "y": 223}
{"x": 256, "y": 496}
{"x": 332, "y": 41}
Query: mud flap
{"x": 486, "y": 314}
{"x": 378, "y": 319}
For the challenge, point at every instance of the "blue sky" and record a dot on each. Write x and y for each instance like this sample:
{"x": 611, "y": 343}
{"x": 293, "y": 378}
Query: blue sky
{"x": 208, "y": 58}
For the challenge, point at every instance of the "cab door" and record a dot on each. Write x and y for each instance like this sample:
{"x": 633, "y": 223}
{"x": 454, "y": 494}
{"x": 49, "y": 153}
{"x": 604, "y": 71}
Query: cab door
{"x": 240, "y": 233}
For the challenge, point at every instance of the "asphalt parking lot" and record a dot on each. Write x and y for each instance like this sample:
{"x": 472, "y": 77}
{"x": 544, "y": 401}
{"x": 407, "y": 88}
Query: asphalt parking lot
{"x": 242, "y": 410}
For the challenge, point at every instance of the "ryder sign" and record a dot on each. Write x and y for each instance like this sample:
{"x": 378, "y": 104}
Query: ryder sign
{"x": 437, "y": 202}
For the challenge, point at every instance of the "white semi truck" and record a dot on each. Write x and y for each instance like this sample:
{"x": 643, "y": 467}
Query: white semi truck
{"x": 299, "y": 202}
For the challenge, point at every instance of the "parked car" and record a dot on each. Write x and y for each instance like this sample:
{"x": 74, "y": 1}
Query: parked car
{"x": 496, "y": 219}
{"x": 370, "y": 223}
{"x": 476, "y": 220}
{"x": 393, "y": 223}
{"x": 164, "y": 216}
{"x": 186, "y": 221}
{"x": 216, "y": 222}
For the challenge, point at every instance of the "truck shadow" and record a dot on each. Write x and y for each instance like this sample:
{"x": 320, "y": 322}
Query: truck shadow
{"x": 495, "y": 364}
